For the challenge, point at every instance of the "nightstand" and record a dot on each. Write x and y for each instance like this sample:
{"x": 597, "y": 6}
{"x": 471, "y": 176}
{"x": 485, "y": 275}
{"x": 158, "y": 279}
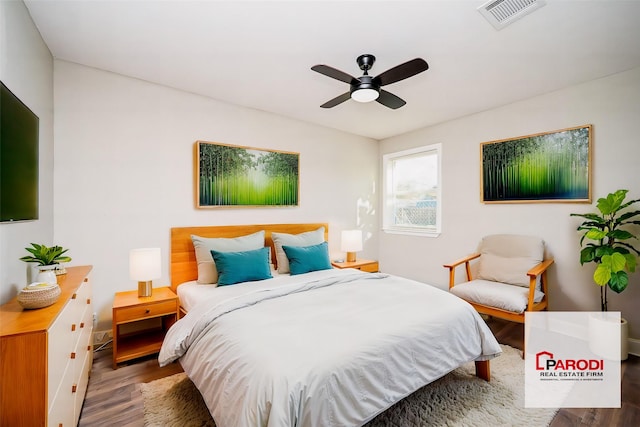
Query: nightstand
{"x": 140, "y": 323}
{"x": 367, "y": 265}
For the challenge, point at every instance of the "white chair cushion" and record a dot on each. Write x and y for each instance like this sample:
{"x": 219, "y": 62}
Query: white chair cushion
{"x": 506, "y": 258}
{"x": 495, "y": 294}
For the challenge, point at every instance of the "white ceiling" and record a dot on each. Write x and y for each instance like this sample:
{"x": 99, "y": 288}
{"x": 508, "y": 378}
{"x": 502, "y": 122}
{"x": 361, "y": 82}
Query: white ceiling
{"x": 258, "y": 54}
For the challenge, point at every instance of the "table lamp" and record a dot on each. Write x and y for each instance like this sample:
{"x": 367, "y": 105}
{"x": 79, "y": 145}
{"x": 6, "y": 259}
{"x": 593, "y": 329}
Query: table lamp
{"x": 144, "y": 266}
{"x": 351, "y": 243}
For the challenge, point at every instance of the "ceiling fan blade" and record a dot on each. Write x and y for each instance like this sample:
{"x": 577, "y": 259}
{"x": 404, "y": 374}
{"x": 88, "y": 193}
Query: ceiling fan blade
{"x": 334, "y": 73}
{"x": 390, "y": 100}
{"x": 402, "y": 71}
{"x": 337, "y": 100}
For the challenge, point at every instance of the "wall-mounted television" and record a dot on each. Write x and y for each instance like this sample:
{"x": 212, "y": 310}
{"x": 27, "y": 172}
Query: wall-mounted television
{"x": 19, "y": 130}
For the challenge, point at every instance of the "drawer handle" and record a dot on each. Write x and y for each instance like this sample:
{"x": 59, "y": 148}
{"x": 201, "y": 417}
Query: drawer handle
{"x": 86, "y": 279}
{"x": 73, "y": 327}
{"x": 147, "y": 311}
{"x": 82, "y": 325}
{"x": 89, "y": 348}
{"x": 74, "y": 296}
{"x": 88, "y": 300}
{"x": 73, "y": 355}
{"x": 74, "y": 388}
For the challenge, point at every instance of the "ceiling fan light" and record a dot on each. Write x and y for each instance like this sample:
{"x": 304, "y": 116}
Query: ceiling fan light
{"x": 365, "y": 95}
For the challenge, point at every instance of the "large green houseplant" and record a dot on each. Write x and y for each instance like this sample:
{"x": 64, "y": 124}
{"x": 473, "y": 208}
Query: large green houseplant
{"x": 606, "y": 242}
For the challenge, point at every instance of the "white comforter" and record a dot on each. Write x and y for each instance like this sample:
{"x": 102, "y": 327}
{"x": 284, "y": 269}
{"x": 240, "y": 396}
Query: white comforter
{"x": 328, "y": 348}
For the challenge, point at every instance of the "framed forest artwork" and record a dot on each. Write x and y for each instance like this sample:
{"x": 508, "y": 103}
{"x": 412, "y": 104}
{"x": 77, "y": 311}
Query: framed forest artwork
{"x": 545, "y": 167}
{"x": 234, "y": 176}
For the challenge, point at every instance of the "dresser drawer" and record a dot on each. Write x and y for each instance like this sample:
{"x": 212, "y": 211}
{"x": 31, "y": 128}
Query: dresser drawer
{"x": 82, "y": 298}
{"x": 61, "y": 341}
{"x": 61, "y": 410}
{"x": 145, "y": 311}
{"x": 83, "y": 368}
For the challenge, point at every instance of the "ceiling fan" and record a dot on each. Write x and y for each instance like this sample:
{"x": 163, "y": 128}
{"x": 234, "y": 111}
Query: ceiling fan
{"x": 367, "y": 88}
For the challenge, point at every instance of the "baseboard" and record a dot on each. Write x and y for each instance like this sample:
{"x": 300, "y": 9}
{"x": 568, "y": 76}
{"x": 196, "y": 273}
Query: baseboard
{"x": 634, "y": 346}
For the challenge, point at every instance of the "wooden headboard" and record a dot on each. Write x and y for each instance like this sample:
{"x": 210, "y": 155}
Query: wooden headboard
{"x": 183, "y": 267}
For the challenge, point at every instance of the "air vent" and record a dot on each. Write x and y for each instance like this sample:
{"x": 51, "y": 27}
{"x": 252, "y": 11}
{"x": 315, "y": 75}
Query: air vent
{"x": 501, "y": 13}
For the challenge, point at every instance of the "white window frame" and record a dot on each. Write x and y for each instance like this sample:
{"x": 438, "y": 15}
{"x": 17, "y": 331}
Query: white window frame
{"x": 387, "y": 214}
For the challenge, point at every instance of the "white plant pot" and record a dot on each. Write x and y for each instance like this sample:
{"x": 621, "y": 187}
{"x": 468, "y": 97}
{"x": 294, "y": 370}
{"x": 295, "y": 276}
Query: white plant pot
{"x": 47, "y": 274}
{"x": 624, "y": 339}
{"x": 32, "y": 272}
{"x": 608, "y": 336}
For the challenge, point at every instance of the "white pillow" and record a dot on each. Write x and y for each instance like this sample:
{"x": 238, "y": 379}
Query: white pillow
{"x": 207, "y": 273}
{"x": 506, "y": 258}
{"x": 308, "y": 238}
{"x": 511, "y": 270}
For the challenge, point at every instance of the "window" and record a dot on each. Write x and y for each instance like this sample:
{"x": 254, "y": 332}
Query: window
{"x": 411, "y": 191}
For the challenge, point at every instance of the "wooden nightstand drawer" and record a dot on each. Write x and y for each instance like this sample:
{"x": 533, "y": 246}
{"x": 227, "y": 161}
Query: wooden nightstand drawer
{"x": 369, "y": 268}
{"x": 145, "y": 311}
{"x": 367, "y": 265}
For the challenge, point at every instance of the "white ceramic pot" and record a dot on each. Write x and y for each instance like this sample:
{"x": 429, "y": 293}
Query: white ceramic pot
{"x": 624, "y": 339}
{"x": 46, "y": 274}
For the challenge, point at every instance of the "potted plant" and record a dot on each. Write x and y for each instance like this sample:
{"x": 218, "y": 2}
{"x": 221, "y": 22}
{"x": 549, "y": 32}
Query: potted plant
{"x": 606, "y": 242}
{"x": 47, "y": 259}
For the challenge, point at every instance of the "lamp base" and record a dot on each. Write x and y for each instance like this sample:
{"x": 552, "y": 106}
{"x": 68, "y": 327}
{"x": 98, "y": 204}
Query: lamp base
{"x": 145, "y": 289}
{"x": 351, "y": 257}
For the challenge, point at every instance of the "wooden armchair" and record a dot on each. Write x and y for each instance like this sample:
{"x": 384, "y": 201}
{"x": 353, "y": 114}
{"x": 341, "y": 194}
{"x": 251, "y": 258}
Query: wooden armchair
{"x": 511, "y": 277}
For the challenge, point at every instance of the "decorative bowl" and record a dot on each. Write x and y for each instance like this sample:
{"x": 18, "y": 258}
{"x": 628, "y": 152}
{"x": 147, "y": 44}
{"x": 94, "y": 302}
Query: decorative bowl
{"x": 38, "y": 295}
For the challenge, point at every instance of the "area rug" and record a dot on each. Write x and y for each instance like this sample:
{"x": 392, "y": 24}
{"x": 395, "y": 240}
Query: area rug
{"x": 457, "y": 399}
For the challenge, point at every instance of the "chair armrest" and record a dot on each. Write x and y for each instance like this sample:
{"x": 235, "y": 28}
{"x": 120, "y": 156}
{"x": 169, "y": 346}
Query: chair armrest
{"x": 540, "y": 268}
{"x": 533, "y": 273}
{"x": 461, "y": 260}
{"x": 452, "y": 268}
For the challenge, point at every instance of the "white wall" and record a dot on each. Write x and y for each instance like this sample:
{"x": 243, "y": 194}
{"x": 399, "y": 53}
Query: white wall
{"x": 26, "y": 68}
{"x": 612, "y": 105}
{"x": 124, "y": 171}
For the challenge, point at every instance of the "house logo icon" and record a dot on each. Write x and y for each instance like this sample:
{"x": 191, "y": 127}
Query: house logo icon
{"x": 540, "y": 357}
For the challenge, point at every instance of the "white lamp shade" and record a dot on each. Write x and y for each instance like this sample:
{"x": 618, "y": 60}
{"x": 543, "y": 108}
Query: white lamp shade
{"x": 365, "y": 95}
{"x": 145, "y": 264}
{"x": 351, "y": 240}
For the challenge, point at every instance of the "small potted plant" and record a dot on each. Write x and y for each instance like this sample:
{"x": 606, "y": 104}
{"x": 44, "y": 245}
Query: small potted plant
{"x": 48, "y": 261}
{"x": 606, "y": 241}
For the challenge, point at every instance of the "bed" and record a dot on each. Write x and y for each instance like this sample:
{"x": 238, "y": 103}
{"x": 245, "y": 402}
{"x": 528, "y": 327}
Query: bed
{"x": 327, "y": 347}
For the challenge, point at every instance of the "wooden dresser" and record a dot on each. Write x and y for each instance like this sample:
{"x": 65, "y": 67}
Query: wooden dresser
{"x": 46, "y": 356}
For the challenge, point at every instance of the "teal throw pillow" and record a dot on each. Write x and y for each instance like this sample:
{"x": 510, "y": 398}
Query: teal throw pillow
{"x": 246, "y": 266}
{"x": 303, "y": 259}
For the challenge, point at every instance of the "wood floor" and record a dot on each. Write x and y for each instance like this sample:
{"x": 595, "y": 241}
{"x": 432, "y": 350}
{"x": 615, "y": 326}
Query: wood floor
{"x": 114, "y": 398}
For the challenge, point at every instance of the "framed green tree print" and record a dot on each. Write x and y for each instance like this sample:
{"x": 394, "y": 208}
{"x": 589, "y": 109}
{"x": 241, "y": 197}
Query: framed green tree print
{"x": 544, "y": 167}
{"x": 235, "y": 176}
